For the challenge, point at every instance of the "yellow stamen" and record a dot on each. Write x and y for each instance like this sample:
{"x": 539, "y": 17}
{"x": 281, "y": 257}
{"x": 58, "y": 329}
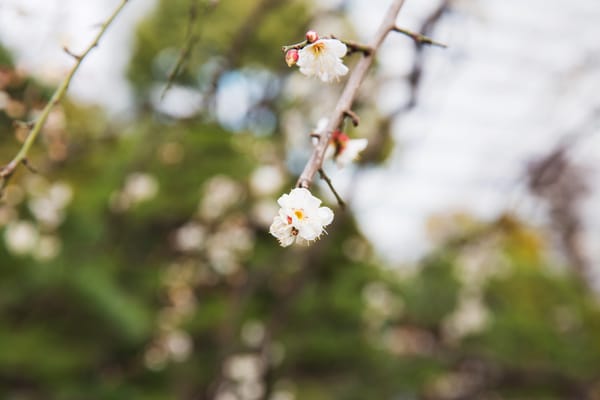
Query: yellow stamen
{"x": 299, "y": 214}
{"x": 317, "y": 48}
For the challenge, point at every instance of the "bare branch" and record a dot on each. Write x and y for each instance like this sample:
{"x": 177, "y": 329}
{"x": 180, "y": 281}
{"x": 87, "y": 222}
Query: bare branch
{"x": 344, "y": 104}
{"x": 191, "y": 38}
{"x": 419, "y": 38}
{"x": 28, "y": 165}
{"x": 330, "y": 184}
{"x": 239, "y": 41}
{"x": 69, "y": 52}
{"x": 296, "y": 46}
{"x": 352, "y": 115}
{"x": 59, "y": 93}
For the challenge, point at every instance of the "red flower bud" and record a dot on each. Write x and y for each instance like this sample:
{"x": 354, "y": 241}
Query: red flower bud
{"x": 312, "y": 36}
{"x": 291, "y": 57}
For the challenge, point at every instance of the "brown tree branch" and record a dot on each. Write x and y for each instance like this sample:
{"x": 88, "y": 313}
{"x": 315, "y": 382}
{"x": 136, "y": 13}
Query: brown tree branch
{"x": 344, "y": 104}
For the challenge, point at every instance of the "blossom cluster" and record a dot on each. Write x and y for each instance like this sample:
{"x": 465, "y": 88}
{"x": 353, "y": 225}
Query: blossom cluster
{"x": 301, "y": 219}
{"x": 319, "y": 57}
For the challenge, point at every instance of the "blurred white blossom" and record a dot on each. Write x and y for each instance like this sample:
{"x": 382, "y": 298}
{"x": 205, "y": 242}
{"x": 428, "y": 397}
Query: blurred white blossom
{"x": 220, "y": 193}
{"x": 21, "y": 237}
{"x": 140, "y": 187}
{"x": 47, "y": 248}
{"x": 266, "y": 180}
{"x": 190, "y": 237}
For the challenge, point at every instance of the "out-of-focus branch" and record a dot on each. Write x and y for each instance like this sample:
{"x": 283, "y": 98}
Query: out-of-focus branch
{"x": 344, "y": 104}
{"x": 555, "y": 179}
{"x": 21, "y": 158}
{"x": 241, "y": 37}
{"x": 191, "y": 38}
{"x": 378, "y": 142}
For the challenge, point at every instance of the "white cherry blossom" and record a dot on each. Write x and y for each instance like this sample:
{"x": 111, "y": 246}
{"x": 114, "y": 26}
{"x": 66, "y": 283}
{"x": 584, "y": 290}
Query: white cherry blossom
{"x": 344, "y": 150}
{"x": 323, "y": 59}
{"x": 341, "y": 148}
{"x": 300, "y": 218}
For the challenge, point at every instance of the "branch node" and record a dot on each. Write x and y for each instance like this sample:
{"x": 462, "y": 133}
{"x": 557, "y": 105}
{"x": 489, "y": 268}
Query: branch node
{"x": 303, "y": 184}
{"x": 28, "y": 165}
{"x": 419, "y": 38}
{"x": 296, "y": 46}
{"x": 324, "y": 176}
{"x": 77, "y": 57}
{"x": 353, "y": 117}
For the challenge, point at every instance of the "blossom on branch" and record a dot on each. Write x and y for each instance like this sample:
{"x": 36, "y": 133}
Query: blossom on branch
{"x": 323, "y": 59}
{"x": 300, "y": 218}
{"x": 341, "y": 148}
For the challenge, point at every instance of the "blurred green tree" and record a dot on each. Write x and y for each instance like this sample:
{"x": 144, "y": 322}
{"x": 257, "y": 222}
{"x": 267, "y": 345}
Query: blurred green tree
{"x": 137, "y": 263}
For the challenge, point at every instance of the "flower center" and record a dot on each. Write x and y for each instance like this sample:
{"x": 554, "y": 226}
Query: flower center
{"x": 317, "y": 48}
{"x": 299, "y": 214}
{"x": 295, "y": 232}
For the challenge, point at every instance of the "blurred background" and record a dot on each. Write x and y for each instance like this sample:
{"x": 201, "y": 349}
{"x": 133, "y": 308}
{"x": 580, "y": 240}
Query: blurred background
{"x": 137, "y": 264}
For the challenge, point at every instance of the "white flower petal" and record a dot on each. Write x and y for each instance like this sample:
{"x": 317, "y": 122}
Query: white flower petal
{"x": 323, "y": 59}
{"x": 351, "y": 152}
{"x": 326, "y": 215}
{"x": 336, "y": 47}
{"x": 310, "y": 230}
{"x": 300, "y": 218}
{"x": 282, "y": 231}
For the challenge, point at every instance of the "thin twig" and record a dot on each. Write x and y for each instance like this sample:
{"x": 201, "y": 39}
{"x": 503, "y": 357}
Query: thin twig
{"x": 419, "y": 38}
{"x": 355, "y": 47}
{"x": 28, "y": 165}
{"x": 238, "y": 44}
{"x": 191, "y": 38}
{"x": 344, "y": 104}
{"x": 296, "y": 46}
{"x": 353, "y": 117}
{"x": 330, "y": 184}
{"x": 59, "y": 93}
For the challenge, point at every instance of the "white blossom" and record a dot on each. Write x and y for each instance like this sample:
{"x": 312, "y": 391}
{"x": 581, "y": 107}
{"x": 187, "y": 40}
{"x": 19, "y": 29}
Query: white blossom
{"x": 341, "y": 148}
{"x": 323, "y": 59}
{"x": 345, "y": 150}
{"x": 300, "y": 218}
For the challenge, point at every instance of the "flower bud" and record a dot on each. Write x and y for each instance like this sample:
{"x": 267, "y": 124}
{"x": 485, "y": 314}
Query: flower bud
{"x": 312, "y": 36}
{"x": 291, "y": 57}
{"x": 339, "y": 137}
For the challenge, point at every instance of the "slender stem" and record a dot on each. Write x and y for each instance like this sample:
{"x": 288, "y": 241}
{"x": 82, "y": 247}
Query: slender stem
{"x": 355, "y": 47}
{"x": 419, "y": 38}
{"x": 296, "y": 46}
{"x": 345, "y": 101}
{"x": 59, "y": 93}
{"x": 330, "y": 184}
{"x": 191, "y": 39}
